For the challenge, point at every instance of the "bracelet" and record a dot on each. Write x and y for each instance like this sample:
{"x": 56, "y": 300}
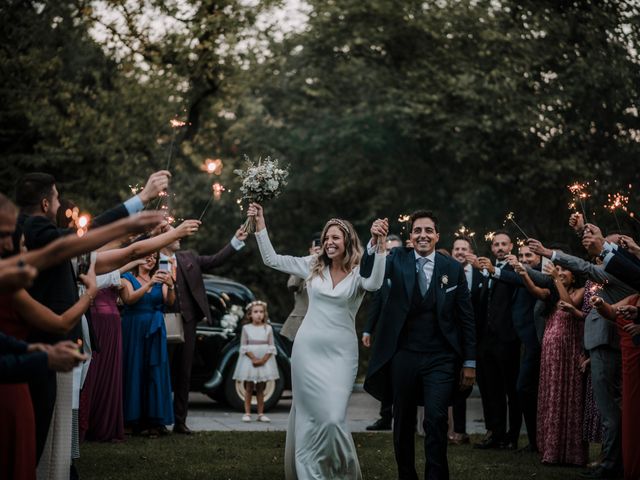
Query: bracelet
{"x": 91, "y": 297}
{"x": 170, "y": 287}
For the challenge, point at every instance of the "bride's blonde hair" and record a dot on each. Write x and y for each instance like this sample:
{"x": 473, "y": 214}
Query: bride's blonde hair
{"x": 352, "y": 248}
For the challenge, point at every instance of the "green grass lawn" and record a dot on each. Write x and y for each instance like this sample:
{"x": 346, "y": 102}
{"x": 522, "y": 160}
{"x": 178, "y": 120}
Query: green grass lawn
{"x": 259, "y": 455}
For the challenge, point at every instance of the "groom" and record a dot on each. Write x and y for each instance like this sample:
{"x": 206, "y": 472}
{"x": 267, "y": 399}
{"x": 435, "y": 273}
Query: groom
{"x": 426, "y": 343}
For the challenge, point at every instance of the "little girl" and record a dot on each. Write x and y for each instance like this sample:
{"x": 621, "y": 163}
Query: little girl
{"x": 256, "y": 363}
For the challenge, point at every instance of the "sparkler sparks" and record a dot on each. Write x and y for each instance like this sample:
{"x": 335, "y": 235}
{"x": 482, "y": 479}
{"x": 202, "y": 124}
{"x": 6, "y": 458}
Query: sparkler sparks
{"x": 216, "y": 193}
{"x": 465, "y": 232}
{"x": 580, "y": 194}
{"x": 212, "y": 166}
{"x": 489, "y": 236}
{"x": 512, "y": 218}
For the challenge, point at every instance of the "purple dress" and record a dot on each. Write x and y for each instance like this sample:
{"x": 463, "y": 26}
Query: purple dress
{"x": 101, "y": 416}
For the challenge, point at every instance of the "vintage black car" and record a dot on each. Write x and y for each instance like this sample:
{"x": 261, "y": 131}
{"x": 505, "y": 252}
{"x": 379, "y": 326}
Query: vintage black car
{"x": 217, "y": 347}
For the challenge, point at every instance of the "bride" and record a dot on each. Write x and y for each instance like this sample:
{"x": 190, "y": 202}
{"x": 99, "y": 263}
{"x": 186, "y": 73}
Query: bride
{"x": 324, "y": 361}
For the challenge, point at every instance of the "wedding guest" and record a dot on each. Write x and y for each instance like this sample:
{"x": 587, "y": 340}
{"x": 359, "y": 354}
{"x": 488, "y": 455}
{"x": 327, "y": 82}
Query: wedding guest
{"x": 256, "y": 363}
{"x": 191, "y": 303}
{"x": 101, "y": 415}
{"x": 560, "y": 398}
{"x": 146, "y": 378}
{"x": 625, "y": 314}
{"x": 603, "y": 343}
{"x": 19, "y": 312}
{"x": 37, "y": 197}
{"x": 378, "y": 300}
{"x": 463, "y": 252}
{"x": 499, "y": 354}
{"x": 298, "y": 287}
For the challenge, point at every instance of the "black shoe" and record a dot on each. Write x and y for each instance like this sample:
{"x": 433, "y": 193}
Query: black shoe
{"x": 73, "y": 473}
{"x": 527, "y": 449}
{"x": 601, "y": 472}
{"x": 489, "y": 443}
{"x": 182, "y": 429}
{"x": 379, "y": 425}
{"x": 509, "y": 445}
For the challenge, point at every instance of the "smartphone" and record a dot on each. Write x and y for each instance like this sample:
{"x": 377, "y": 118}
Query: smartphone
{"x": 84, "y": 262}
{"x": 317, "y": 243}
{"x": 163, "y": 265}
{"x": 545, "y": 261}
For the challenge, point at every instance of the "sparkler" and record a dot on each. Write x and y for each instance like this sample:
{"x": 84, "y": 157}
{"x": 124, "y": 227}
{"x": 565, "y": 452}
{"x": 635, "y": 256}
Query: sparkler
{"x": 403, "y": 219}
{"x": 77, "y": 221}
{"x": 175, "y": 125}
{"x": 216, "y": 193}
{"x": 512, "y": 218}
{"x": 212, "y": 166}
{"x": 489, "y": 236}
{"x": 580, "y": 194}
{"x": 614, "y": 202}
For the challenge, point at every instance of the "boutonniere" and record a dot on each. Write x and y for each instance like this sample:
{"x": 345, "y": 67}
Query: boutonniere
{"x": 444, "y": 280}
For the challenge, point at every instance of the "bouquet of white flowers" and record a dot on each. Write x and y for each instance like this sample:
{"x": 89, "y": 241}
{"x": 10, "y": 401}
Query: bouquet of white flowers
{"x": 261, "y": 181}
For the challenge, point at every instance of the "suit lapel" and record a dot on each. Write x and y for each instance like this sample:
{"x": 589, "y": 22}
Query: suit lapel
{"x": 439, "y": 269}
{"x": 409, "y": 271}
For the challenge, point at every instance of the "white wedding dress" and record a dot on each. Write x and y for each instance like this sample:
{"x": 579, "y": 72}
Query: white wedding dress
{"x": 324, "y": 364}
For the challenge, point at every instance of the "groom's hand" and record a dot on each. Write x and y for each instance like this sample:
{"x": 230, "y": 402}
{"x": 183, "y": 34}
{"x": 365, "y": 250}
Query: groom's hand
{"x": 379, "y": 228}
{"x": 467, "y": 377}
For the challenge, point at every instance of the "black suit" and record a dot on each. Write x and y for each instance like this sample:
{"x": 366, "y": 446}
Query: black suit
{"x": 626, "y": 267}
{"x": 426, "y": 339}
{"x": 55, "y": 288}
{"x": 378, "y": 300}
{"x": 499, "y": 362}
{"x": 460, "y": 402}
{"x": 16, "y": 364}
{"x": 529, "y": 374}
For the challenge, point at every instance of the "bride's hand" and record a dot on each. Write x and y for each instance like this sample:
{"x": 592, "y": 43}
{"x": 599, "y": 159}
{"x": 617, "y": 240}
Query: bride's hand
{"x": 379, "y": 230}
{"x": 255, "y": 210}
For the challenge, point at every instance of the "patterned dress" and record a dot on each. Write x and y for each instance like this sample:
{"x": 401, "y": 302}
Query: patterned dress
{"x": 560, "y": 397}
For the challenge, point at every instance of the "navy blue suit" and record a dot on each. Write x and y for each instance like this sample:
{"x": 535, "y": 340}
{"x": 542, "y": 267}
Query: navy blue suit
{"x": 422, "y": 342}
{"x": 626, "y": 267}
{"x": 16, "y": 364}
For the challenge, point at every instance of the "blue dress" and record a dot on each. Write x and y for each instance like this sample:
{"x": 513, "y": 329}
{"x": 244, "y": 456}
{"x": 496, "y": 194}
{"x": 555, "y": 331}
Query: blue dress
{"x": 145, "y": 361}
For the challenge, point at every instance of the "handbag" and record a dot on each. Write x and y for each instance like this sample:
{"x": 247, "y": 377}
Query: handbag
{"x": 175, "y": 328}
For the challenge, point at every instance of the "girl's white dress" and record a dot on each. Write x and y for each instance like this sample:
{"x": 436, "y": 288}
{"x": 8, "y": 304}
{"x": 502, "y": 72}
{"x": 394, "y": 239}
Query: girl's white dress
{"x": 257, "y": 339}
{"x": 324, "y": 364}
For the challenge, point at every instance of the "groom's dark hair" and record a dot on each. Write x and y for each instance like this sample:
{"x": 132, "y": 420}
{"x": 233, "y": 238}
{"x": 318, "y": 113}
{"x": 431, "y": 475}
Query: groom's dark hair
{"x": 423, "y": 214}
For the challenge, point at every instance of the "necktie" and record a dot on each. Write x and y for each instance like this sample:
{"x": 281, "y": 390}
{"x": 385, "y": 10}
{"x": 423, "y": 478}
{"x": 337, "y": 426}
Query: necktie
{"x": 422, "y": 276}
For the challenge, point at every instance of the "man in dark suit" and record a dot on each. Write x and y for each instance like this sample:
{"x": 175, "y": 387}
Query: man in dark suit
{"x": 426, "y": 343}
{"x": 378, "y": 300}
{"x": 523, "y": 321}
{"x": 191, "y": 302}
{"x": 55, "y": 287}
{"x": 499, "y": 353}
{"x": 462, "y": 251}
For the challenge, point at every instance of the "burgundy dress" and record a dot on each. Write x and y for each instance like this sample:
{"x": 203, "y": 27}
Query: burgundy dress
{"x": 17, "y": 422}
{"x": 560, "y": 397}
{"x": 630, "y": 400}
{"x": 100, "y": 413}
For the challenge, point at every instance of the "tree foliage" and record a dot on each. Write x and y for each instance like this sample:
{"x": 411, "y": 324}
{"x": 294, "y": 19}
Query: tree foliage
{"x": 472, "y": 108}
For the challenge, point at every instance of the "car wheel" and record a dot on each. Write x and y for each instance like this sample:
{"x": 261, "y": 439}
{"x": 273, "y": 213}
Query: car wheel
{"x": 234, "y": 391}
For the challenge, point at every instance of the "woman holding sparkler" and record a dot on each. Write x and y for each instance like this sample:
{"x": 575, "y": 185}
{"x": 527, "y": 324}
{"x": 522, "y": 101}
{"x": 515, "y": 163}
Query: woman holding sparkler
{"x": 324, "y": 361}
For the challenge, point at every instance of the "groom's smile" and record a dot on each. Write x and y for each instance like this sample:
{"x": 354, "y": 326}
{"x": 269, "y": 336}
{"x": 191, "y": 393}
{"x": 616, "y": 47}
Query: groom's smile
{"x": 424, "y": 236}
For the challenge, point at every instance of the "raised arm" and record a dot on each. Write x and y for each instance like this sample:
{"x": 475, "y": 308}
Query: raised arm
{"x": 71, "y": 246}
{"x": 116, "y": 258}
{"x": 298, "y": 266}
{"x": 538, "y": 292}
{"x": 41, "y": 317}
{"x": 374, "y": 281}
